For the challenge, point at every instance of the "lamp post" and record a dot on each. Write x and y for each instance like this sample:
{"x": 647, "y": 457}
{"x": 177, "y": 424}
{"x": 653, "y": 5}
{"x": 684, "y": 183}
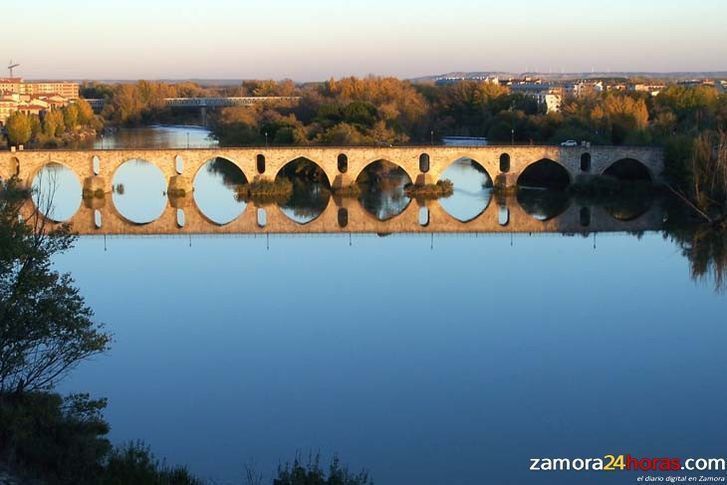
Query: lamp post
{"x": 512, "y": 133}
{"x": 431, "y": 135}
{"x": 266, "y": 139}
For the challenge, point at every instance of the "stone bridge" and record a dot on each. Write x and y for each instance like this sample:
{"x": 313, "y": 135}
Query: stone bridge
{"x": 342, "y": 165}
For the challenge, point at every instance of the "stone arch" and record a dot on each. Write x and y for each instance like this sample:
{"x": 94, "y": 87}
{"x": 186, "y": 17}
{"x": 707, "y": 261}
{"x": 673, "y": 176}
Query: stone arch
{"x": 357, "y": 175}
{"x": 310, "y": 199}
{"x": 115, "y": 189}
{"x": 37, "y": 197}
{"x": 52, "y": 161}
{"x": 629, "y": 169}
{"x": 218, "y": 205}
{"x": 383, "y": 197}
{"x": 220, "y": 158}
{"x": 545, "y": 173}
{"x": 464, "y": 205}
{"x": 302, "y": 158}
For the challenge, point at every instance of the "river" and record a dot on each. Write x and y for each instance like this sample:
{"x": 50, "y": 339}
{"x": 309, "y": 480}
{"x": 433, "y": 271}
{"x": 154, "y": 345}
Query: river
{"x": 427, "y": 359}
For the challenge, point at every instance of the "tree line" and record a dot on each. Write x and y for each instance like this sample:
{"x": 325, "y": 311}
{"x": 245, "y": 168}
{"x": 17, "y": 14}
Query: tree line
{"x": 54, "y": 127}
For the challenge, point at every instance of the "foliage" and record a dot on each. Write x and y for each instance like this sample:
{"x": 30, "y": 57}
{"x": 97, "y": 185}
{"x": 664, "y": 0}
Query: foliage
{"x": 19, "y": 128}
{"x": 46, "y": 329}
{"x": 61, "y": 440}
{"x": 311, "y": 473}
{"x": 135, "y": 463}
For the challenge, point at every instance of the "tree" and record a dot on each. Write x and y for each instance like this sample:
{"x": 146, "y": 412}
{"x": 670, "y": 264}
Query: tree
{"x": 46, "y": 329}
{"x": 53, "y": 124}
{"x": 19, "y": 128}
{"x": 85, "y": 112}
{"x": 70, "y": 116}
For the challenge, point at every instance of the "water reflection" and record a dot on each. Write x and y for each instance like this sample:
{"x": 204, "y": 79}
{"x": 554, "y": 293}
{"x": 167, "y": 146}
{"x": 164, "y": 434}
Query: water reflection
{"x": 382, "y": 189}
{"x": 216, "y": 190}
{"x": 158, "y": 136}
{"x": 311, "y": 190}
{"x": 139, "y": 191}
{"x": 629, "y": 208}
{"x": 57, "y": 192}
{"x": 543, "y": 204}
{"x": 472, "y": 190}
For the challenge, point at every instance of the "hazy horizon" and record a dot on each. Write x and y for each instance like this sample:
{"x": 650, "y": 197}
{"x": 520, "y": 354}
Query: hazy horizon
{"x": 319, "y": 39}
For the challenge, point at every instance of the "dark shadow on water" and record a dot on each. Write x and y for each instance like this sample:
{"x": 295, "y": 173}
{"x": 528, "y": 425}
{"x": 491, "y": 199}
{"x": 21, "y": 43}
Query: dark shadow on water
{"x": 543, "y": 204}
{"x": 311, "y": 190}
{"x": 382, "y": 189}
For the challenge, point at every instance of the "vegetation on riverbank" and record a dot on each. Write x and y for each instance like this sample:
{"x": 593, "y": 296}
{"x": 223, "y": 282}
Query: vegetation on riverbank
{"x": 263, "y": 190}
{"x": 443, "y": 188}
{"x": 56, "y": 128}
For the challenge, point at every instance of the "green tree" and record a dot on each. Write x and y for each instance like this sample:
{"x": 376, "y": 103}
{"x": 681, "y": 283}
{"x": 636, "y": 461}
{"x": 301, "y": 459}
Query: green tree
{"x": 19, "y": 128}
{"x": 46, "y": 329}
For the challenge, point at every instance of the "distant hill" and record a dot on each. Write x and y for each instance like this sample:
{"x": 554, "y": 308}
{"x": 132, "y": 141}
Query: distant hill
{"x": 676, "y": 76}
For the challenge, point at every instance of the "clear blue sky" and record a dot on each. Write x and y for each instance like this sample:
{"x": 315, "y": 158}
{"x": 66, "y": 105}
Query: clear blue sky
{"x": 317, "y": 39}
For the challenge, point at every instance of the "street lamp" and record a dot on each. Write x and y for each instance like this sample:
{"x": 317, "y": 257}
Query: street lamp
{"x": 512, "y": 133}
{"x": 266, "y": 138}
{"x": 431, "y": 134}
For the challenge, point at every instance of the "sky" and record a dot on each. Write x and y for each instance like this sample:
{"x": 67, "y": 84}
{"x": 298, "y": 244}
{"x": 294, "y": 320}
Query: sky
{"x": 318, "y": 39}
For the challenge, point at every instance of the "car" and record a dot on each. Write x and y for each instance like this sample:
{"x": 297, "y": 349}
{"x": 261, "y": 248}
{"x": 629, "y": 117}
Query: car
{"x": 569, "y": 143}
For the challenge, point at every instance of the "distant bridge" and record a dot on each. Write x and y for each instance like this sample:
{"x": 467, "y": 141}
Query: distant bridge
{"x": 341, "y": 165}
{"x": 218, "y": 102}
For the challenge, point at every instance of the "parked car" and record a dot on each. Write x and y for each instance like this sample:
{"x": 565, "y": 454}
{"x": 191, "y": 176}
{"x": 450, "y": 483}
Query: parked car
{"x": 569, "y": 143}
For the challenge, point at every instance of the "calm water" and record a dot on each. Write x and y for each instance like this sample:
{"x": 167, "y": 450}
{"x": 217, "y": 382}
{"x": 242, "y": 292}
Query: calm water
{"x": 425, "y": 359}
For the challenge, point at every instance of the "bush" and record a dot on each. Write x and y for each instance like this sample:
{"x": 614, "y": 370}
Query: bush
{"x": 312, "y": 474}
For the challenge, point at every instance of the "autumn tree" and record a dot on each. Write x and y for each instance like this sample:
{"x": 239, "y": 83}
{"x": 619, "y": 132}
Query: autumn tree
{"x": 19, "y": 128}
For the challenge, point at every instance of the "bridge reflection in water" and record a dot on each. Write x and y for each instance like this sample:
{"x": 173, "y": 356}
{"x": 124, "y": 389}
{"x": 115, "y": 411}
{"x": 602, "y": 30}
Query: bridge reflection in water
{"x": 346, "y": 215}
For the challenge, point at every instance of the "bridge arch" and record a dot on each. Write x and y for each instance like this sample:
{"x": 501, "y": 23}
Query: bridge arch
{"x": 139, "y": 191}
{"x": 217, "y": 190}
{"x": 472, "y": 189}
{"x": 629, "y": 169}
{"x": 311, "y": 190}
{"x": 57, "y": 191}
{"x": 545, "y": 173}
{"x": 383, "y": 196}
{"x": 385, "y": 161}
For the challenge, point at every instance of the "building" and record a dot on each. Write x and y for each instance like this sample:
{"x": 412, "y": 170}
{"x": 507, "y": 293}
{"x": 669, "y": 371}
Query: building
{"x": 452, "y": 79}
{"x": 30, "y": 105}
{"x": 652, "y": 89}
{"x": 16, "y": 85}
{"x": 583, "y": 88}
{"x": 544, "y": 93}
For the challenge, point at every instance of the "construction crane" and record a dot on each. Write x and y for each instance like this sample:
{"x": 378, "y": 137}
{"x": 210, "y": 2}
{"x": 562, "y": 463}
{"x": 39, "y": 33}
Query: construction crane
{"x": 12, "y": 66}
